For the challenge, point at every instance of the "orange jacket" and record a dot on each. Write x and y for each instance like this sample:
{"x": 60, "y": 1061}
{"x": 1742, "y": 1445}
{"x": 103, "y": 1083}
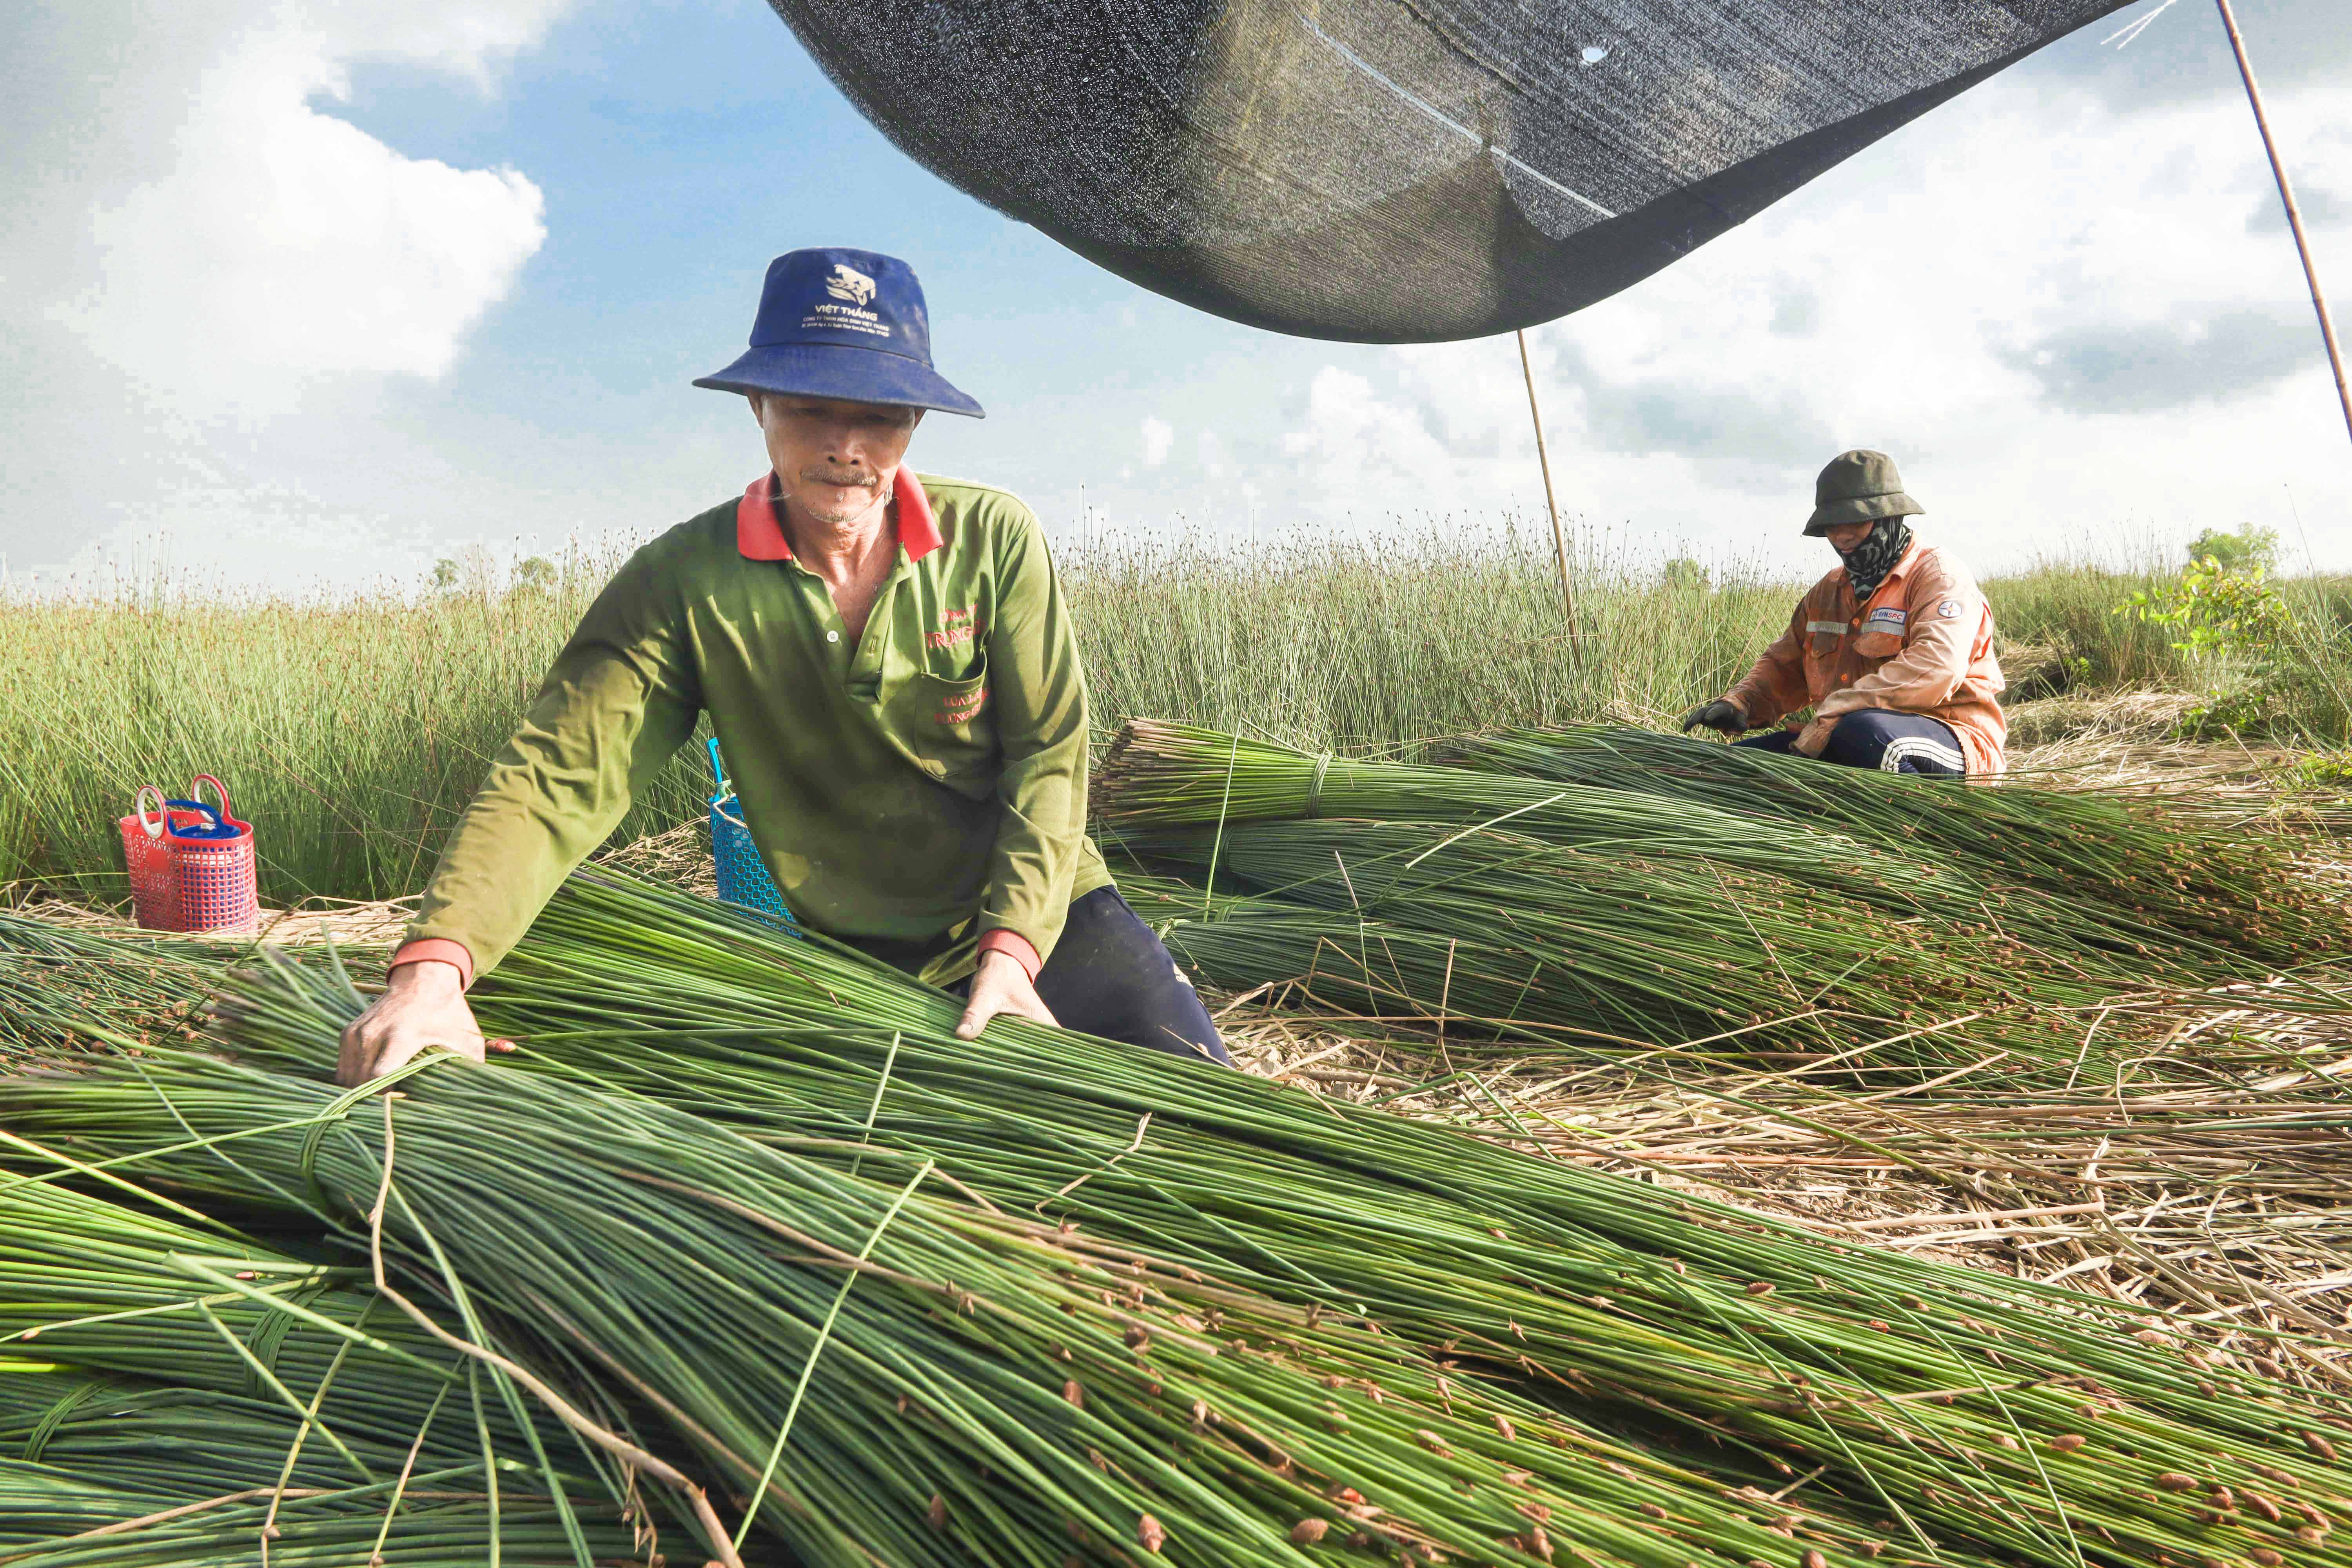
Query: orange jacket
{"x": 1922, "y": 645}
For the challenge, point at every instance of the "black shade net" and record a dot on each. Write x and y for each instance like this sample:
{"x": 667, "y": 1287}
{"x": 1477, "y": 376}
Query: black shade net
{"x": 1402, "y": 171}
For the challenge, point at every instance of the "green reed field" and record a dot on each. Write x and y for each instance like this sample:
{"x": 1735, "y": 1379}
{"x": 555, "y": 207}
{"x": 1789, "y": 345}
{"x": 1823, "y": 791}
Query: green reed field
{"x": 354, "y": 731}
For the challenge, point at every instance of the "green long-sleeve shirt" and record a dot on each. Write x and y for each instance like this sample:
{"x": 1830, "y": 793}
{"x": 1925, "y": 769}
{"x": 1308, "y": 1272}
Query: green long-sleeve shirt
{"x": 924, "y": 785}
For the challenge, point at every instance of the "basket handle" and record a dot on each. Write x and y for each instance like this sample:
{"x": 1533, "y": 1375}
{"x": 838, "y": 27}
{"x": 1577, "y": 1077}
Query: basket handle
{"x": 163, "y": 812}
{"x": 218, "y": 788}
{"x": 717, "y": 770}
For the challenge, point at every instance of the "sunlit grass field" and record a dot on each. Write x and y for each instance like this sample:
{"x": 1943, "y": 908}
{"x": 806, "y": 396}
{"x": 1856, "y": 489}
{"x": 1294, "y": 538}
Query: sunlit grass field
{"x": 353, "y": 730}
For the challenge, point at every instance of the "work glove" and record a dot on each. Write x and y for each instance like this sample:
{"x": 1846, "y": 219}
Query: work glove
{"x": 1723, "y": 716}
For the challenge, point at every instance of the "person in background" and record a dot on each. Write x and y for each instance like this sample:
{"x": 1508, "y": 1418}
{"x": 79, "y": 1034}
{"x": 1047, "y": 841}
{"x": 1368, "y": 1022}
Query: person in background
{"x": 890, "y": 666}
{"x": 1892, "y": 651}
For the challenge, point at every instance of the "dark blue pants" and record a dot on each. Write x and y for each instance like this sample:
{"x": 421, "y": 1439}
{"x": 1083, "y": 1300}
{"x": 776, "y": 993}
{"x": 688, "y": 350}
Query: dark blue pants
{"x": 1890, "y": 743}
{"x": 1108, "y": 976}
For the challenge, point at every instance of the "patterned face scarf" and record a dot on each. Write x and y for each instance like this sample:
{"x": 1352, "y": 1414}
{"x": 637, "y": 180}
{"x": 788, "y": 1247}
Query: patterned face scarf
{"x": 1867, "y": 563}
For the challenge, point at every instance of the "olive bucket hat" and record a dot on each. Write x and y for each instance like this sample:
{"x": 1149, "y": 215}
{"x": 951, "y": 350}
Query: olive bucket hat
{"x": 1858, "y": 487}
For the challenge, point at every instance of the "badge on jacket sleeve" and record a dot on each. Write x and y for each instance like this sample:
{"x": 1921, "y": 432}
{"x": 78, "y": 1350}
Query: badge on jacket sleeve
{"x": 1948, "y": 608}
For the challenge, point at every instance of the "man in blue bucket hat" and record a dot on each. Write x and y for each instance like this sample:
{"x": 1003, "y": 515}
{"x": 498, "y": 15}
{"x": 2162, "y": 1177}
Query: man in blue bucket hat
{"x": 892, "y": 672}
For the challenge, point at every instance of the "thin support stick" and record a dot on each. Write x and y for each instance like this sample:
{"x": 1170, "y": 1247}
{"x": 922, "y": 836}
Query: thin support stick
{"x": 1543, "y": 459}
{"x": 2294, "y": 213}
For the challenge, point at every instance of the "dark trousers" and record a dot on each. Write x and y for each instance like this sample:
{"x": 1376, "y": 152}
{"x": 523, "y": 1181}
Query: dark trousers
{"x": 1108, "y": 976}
{"x": 1889, "y": 742}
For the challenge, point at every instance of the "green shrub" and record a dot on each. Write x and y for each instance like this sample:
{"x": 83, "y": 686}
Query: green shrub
{"x": 2260, "y": 667}
{"x": 2251, "y": 549}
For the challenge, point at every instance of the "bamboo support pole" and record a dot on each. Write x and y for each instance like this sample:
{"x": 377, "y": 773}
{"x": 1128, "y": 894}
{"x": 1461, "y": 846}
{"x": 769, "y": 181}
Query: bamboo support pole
{"x": 1558, "y": 540}
{"x": 2294, "y": 213}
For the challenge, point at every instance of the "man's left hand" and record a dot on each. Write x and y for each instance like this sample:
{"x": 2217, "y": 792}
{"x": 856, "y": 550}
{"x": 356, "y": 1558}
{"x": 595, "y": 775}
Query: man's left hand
{"x": 1001, "y": 985}
{"x": 1814, "y": 737}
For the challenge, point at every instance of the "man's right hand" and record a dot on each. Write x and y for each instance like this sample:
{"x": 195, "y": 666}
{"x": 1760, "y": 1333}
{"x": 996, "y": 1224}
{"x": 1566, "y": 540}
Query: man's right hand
{"x": 1723, "y": 716}
{"x": 423, "y": 1006}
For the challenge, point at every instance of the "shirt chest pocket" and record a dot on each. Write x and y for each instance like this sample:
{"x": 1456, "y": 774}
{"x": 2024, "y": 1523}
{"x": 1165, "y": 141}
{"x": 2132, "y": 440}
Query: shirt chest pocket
{"x": 948, "y": 728}
{"x": 1878, "y": 645}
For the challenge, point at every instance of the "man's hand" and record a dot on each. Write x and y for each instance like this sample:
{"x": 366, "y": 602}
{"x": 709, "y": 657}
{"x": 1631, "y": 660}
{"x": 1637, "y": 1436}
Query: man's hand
{"x": 999, "y": 986}
{"x": 423, "y": 1006}
{"x": 1723, "y": 716}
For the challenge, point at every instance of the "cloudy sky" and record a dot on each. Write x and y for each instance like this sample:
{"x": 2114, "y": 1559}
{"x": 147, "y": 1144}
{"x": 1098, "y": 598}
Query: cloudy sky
{"x": 296, "y": 292}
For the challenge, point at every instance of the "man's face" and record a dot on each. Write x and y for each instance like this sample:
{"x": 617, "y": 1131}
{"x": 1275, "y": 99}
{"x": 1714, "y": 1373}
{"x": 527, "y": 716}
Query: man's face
{"x": 836, "y": 459}
{"x": 1845, "y": 536}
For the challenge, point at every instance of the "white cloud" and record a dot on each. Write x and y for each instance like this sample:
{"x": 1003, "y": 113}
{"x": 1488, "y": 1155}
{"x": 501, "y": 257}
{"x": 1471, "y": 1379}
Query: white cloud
{"x": 296, "y": 243}
{"x": 2057, "y": 314}
{"x": 1159, "y": 438}
{"x": 282, "y": 242}
{"x": 1210, "y": 448}
{"x": 201, "y": 258}
{"x": 1357, "y": 446}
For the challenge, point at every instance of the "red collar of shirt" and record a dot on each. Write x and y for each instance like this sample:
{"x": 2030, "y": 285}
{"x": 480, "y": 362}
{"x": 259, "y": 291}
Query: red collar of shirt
{"x": 760, "y": 533}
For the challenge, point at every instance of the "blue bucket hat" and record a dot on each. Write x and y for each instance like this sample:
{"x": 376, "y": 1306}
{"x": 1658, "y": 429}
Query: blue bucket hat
{"x": 840, "y": 323}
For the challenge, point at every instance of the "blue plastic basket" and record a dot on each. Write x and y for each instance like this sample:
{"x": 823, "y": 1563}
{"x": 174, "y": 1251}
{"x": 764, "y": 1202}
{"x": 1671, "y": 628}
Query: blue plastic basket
{"x": 743, "y": 876}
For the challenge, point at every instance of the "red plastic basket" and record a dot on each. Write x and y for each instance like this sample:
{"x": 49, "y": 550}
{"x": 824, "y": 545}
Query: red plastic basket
{"x": 191, "y": 865}
{"x": 154, "y": 889}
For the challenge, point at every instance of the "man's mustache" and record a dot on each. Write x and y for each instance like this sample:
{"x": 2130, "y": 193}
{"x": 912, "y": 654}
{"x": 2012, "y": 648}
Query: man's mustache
{"x": 855, "y": 478}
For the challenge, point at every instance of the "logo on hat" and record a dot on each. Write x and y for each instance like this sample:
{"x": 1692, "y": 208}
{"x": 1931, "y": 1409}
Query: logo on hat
{"x": 848, "y": 283}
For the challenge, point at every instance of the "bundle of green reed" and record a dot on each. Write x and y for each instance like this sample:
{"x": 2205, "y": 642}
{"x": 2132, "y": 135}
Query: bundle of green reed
{"x": 177, "y": 1444}
{"x": 56, "y": 981}
{"x": 183, "y": 1363}
{"x": 1493, "y": 934}
{"x": 892, "y": 1369}
{"x": 1158, "y": 774}
{"x": 51, "y": 1517}
{"x": 2139, "y": 855}
{"x": 1966, "y": 1407}
{"x": 1574, "y": 918}
{"x": 1162, "y": 776}
{"x": 1954, "y": 1411}
{"x": 118, "y": 1287}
